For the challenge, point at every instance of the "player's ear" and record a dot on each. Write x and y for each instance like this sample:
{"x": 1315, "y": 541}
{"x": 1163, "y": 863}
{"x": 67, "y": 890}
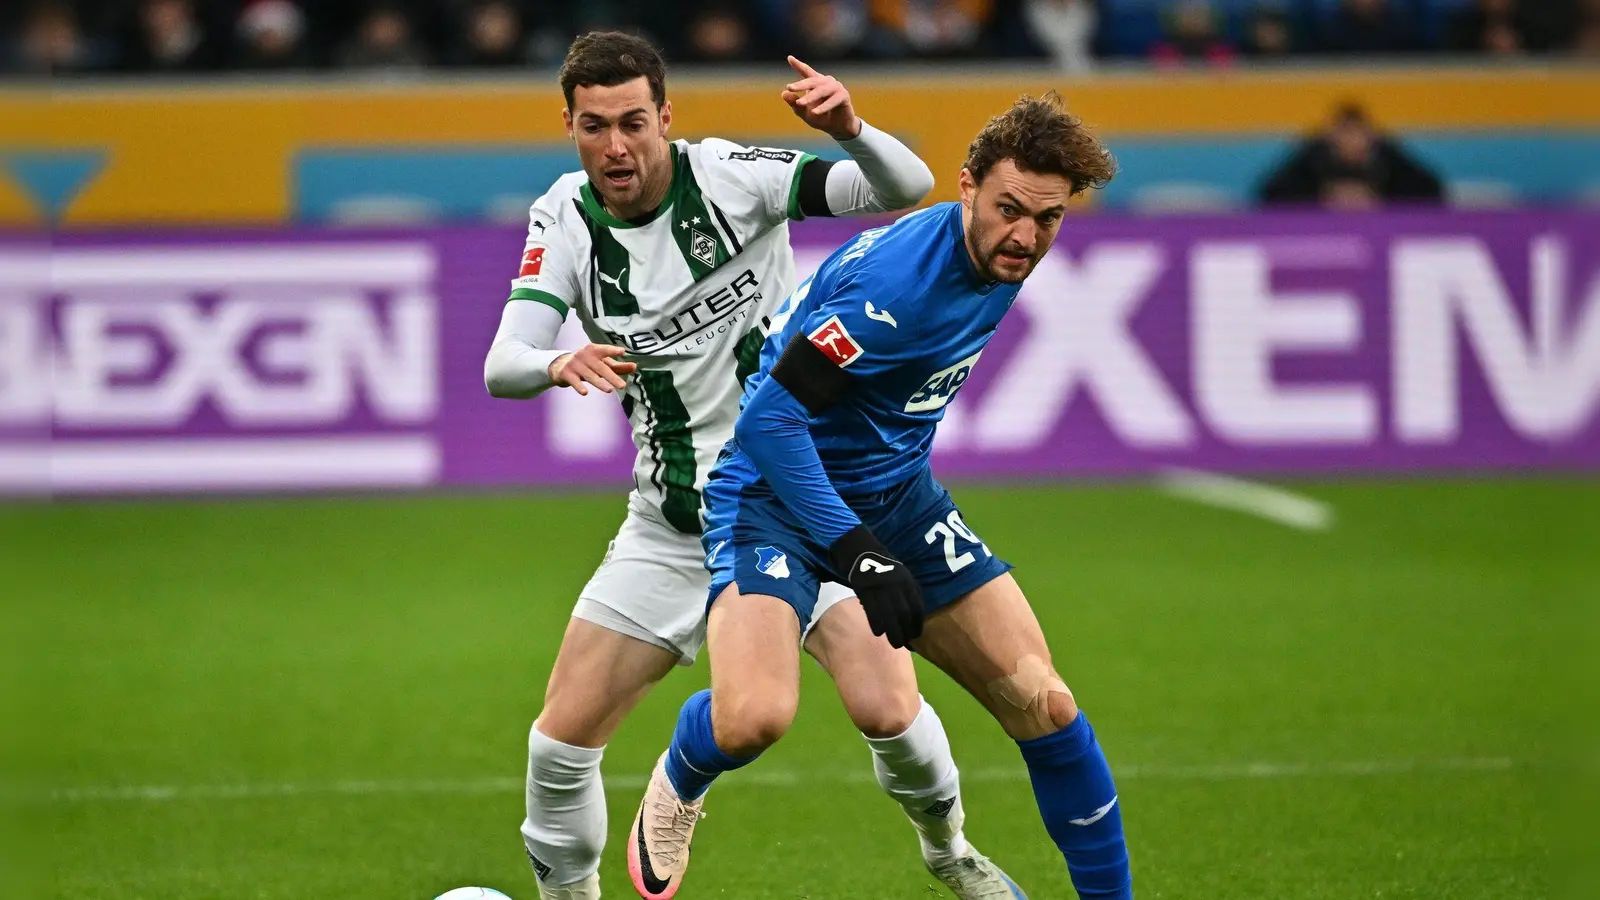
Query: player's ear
{"x": 666, "y": 116}
{"x": 566, "y": 121}
{"x": 969, "y": 187}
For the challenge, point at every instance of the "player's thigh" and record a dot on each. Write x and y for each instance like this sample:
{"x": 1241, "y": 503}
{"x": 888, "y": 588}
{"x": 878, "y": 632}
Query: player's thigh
{"x": 642, "y": 611}
{"x": 990, "y": 642}
{"x": 754, "y": 643}
{"x": 599, "y": 676}
{"x": 651, "y": 585}
{"x": 876, "y": 682}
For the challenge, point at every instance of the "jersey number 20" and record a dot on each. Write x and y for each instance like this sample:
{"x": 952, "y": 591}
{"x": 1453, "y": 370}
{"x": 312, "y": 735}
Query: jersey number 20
{"x": 955, "y": 526}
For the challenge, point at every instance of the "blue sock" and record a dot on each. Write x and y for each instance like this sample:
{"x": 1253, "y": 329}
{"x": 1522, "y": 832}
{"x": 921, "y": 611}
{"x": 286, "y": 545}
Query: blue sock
{"x": 694, "y": 760}
{"x": 1077, "y": 800}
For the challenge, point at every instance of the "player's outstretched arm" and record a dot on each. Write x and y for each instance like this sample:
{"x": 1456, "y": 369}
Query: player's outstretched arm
{"x": 523, "y": 362}
{"x": 882, "y": 173}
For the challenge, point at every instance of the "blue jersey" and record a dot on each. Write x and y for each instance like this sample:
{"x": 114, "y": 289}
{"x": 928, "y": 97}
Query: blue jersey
{"x": 903, "y": 311}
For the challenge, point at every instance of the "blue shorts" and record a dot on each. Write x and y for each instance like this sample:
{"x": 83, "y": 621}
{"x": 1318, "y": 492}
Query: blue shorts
{"x": 752, "y": 540}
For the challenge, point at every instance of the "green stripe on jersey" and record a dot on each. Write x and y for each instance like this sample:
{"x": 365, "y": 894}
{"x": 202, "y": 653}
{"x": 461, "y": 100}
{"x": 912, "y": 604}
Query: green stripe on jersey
{"x": 747, "y": 355}
{"x": 794, "y": 187}
{"x": 611, "y": 264}
{"x": 548, "y": 299}
{"x": 673, "y": 443}
{"x": 697, "y": 237}
{"x": 674, "y": 447}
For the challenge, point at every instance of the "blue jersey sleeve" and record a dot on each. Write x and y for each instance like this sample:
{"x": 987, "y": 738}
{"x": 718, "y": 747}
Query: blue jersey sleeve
{"x": 858, "y": 330}
{"x": 863, "y": 324}
{"x": 775, "y": 432}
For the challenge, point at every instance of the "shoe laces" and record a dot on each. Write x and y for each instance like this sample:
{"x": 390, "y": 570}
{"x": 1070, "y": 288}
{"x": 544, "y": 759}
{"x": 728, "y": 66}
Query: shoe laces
{"x": 671, "y": 826}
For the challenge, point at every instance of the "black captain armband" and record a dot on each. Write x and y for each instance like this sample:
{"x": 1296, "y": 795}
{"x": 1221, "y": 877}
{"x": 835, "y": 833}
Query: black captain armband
{"x": 813, "y": 192}
{"x": 807, "y": 373}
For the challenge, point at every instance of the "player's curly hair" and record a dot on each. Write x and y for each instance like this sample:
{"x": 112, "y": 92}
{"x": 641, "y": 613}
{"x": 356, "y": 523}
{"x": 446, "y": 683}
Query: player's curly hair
{"x": 1039, "y": 135}
{"x": 610, "y": 58}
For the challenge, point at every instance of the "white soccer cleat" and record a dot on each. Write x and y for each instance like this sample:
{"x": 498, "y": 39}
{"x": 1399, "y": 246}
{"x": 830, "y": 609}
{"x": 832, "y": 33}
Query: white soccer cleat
{"x": 658, "y": 844}
{"x": 973, "y": 876}
{"x": 587, "y": 889}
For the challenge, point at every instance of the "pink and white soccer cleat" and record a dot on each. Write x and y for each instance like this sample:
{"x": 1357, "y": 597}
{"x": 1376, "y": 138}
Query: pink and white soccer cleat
{"x": 658, "y": 845}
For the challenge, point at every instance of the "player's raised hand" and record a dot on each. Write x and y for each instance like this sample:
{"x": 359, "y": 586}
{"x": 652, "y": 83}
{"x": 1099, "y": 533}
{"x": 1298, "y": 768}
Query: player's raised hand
{"x": 595, "y": 364}
{"x": 822, "y": 101}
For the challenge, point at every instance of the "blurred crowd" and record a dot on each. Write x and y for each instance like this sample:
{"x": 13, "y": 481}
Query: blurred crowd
{"x": 157, "y": 36}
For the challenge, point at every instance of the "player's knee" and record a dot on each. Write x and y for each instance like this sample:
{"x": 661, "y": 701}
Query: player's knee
{"x": 745, "y": 727}
{"x": 883, "y": 714}
{"x": 568, "y": 726}
{"x": 557, "y": 764}
{"x": 1033, "y": 701}
{"x": 1063, "y": 708}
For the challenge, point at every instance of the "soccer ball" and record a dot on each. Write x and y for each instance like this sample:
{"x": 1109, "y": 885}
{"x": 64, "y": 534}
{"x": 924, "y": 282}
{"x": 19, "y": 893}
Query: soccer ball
{"x": 472, "y": 893}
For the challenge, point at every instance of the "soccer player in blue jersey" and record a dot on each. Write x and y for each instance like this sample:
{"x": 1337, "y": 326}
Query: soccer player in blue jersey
{"x": 827, "y": 478}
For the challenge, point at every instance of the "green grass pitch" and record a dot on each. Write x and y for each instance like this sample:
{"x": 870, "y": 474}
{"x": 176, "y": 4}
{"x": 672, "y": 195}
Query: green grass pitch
{"x": 329, "y": 698}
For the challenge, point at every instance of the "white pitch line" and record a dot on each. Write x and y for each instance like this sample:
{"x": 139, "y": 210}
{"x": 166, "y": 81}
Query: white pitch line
{"x": 758, "y": 778}
{"x": 1226, "y": 492}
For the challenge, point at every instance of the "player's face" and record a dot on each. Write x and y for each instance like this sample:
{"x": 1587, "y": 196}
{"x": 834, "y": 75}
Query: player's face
{"x": 1012, "y": 219}
{"x": 622, "y": 143}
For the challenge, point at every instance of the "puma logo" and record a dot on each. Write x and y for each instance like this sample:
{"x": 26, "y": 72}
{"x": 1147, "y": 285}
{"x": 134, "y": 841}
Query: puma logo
{"x": 615, "y": 282}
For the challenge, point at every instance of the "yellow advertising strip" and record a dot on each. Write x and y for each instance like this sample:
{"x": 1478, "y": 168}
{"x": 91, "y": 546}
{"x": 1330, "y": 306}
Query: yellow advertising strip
{"x": 214, "y": 153}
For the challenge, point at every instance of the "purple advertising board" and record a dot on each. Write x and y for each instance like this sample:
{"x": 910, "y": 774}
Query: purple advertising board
{"x": 1307, "y": 343}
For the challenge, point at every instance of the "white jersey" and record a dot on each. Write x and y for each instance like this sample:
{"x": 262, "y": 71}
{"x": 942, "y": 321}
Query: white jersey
{"x": 685, "y": 289}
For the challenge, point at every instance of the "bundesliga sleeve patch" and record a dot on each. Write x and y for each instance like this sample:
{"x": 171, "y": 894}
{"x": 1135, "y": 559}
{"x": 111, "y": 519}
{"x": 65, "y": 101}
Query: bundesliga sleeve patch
{"x": 836, "y": 343}
{"x": 532, "y": 262}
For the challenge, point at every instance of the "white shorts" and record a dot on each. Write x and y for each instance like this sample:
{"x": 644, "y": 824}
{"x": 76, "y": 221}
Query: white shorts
{"x": 653, "y": 585}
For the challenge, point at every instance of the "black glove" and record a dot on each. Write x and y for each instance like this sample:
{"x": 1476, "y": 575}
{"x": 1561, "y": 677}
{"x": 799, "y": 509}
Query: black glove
{"x": 888, "y": 591}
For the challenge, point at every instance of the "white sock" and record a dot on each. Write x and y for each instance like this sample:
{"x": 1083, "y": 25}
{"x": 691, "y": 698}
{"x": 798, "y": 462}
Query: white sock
{"x": 566, "y": 825}
{"x": 917, "y": 770}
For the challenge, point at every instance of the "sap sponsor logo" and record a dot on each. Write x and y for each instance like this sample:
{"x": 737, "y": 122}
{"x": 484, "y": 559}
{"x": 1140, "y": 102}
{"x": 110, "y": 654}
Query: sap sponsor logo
{"x": 942, "y": 385}
{"x": 283, "y": 337}
{"x": 689, "y": 329}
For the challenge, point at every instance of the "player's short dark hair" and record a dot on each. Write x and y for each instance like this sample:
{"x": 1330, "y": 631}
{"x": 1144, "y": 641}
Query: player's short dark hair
{"x": 610, "y": 58}
{"x": 1039, "y": 135}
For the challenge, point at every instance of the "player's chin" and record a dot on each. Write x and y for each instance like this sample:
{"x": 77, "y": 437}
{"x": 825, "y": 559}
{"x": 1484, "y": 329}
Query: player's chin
{"x": 619, "y": 194}
{"x": 1010, "y": 269}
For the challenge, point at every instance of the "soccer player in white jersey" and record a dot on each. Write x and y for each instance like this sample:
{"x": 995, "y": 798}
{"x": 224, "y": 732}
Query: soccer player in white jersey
{"x": 673, "y": 255}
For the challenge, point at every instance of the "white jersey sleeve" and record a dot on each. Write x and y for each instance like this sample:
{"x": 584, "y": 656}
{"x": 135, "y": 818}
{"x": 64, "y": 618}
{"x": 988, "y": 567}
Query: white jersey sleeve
{"x": 758, "y": 184}
{"x": 549, "y": 271}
